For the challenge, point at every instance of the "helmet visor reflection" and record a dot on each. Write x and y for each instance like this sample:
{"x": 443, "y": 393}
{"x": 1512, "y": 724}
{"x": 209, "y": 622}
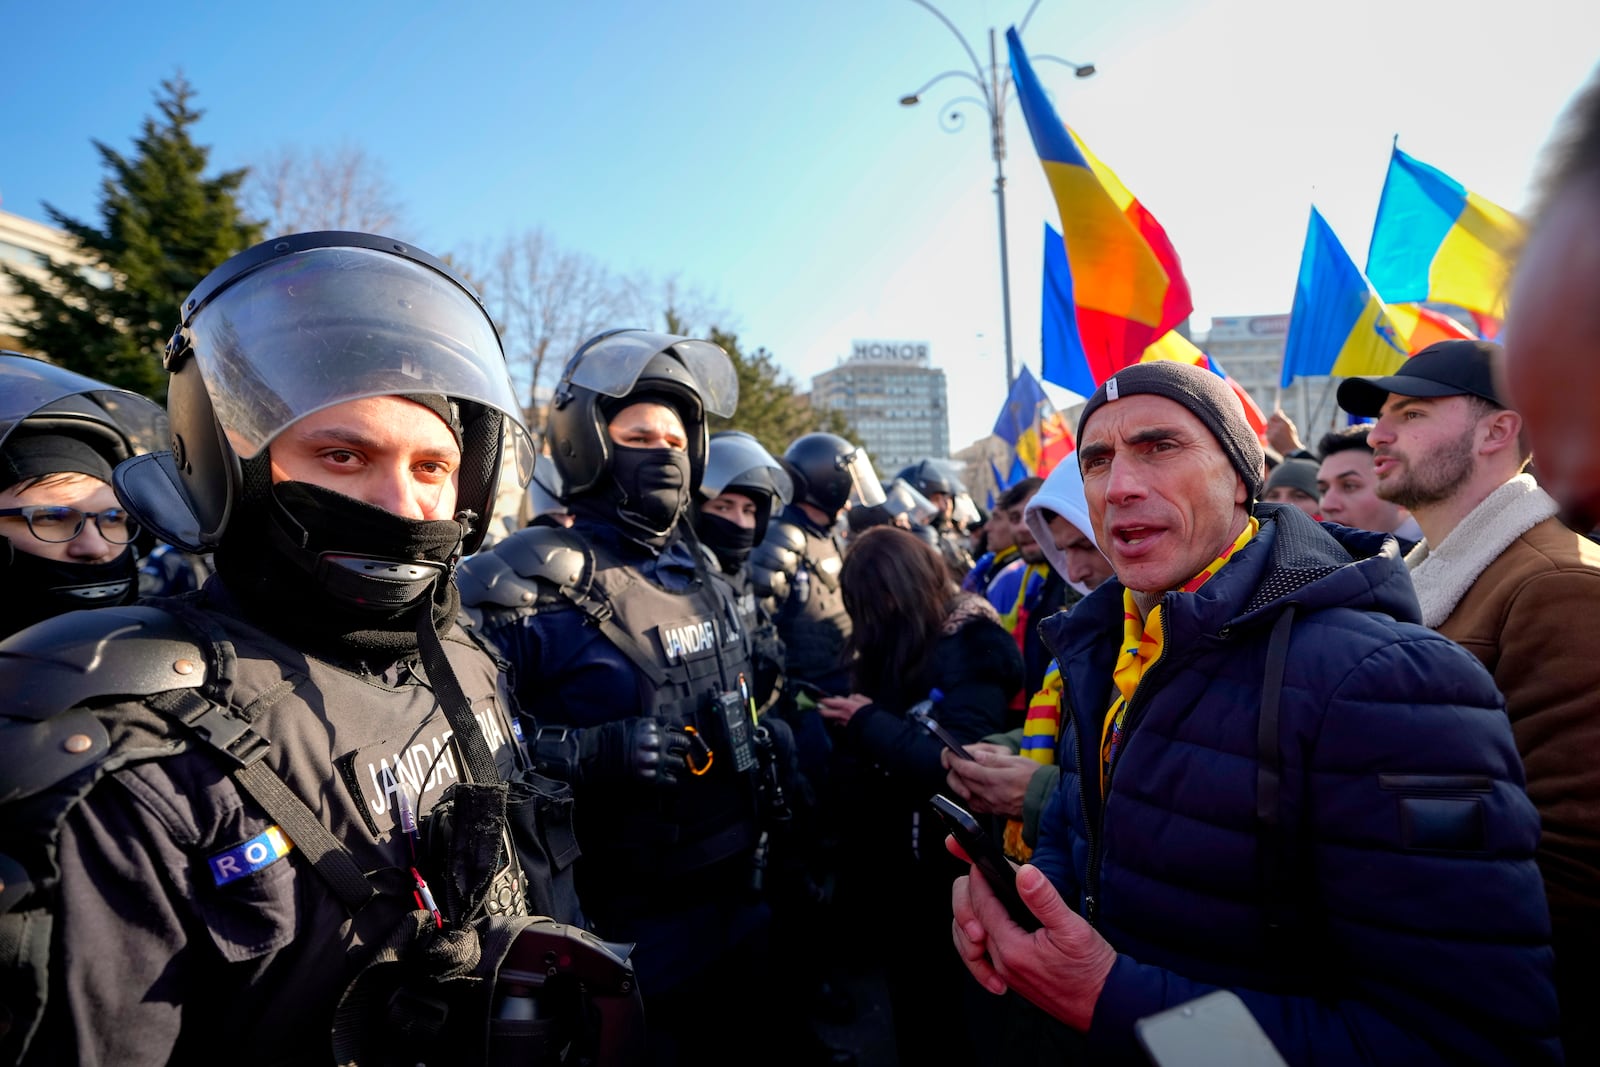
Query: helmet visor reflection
{"x": 330, "y": 325}
{"x": 611, "y": 365}
{"x": 32, "y": 388}
{"x": 866, "y": 491}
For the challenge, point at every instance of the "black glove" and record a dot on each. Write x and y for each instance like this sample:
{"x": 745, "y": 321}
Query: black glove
{"x": 642, "y": 750}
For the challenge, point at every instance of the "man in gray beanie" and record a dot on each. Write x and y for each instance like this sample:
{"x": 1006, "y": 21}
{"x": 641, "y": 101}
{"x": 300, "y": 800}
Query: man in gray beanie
{"x": 1291, "y": 758}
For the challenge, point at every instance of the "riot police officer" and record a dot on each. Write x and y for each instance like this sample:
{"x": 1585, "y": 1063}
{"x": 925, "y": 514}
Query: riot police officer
{"x": 65, "y": 542}
{"x": 798, "y": 563}
{"x": 637, "y": 659}
{"x": 294, "y": 814}
{"x": 943, "y": 490}
{"x": 742, "y": 487}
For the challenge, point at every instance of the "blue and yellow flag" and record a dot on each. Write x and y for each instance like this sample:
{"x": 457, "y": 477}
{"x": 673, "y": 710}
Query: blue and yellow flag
{"x": 1338, "y": 324}
{"x": 1018, "y": 422}
{"x": 1436, "y": 240}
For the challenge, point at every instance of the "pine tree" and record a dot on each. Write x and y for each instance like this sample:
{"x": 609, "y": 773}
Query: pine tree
{"x": 163, "y": 227}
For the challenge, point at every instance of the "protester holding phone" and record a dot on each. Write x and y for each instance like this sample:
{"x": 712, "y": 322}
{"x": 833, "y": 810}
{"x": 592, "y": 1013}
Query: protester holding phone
{"x": 912, "y": 633}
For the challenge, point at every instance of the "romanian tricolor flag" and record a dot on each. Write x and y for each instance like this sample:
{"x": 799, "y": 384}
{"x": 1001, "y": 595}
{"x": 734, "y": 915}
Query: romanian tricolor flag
{"x": 1436, "y": 240}
{"x": 1338, "y": 325}
{"x": 1421, "y": 326}
{"x": 1126, "y": 283}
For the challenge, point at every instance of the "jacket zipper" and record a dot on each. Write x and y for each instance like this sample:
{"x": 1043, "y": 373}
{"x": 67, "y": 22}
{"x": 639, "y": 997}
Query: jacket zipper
{"x": 1092, "y": 827}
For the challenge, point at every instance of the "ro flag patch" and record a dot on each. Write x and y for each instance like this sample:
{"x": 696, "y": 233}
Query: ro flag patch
{"x": 262, "y": 850}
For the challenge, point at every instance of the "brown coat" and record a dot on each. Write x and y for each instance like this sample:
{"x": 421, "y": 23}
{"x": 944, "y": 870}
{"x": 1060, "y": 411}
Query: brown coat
{"x": 1533, "y": 618}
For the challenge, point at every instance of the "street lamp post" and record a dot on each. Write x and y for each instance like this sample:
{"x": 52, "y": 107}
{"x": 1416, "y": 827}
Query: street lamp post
{"x": 994, "y": 87}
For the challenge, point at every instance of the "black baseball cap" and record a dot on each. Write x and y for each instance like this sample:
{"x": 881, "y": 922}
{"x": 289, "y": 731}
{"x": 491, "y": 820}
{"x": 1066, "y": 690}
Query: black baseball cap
{"x": 1445, "y": 368}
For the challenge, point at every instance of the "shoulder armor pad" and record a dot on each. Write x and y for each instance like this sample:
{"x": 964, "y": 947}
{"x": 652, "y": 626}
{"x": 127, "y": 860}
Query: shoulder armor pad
{"x": 49, "y": 670}
{"x": 788, "y": 536}
{"x": 506, "y": 575}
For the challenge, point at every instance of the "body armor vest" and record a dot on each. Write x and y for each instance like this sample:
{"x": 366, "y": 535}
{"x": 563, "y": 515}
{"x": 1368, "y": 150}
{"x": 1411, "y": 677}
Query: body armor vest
{"x": 812, "y": 621}
{"x": 697, "y": 641}
{"x": 364, "y": 758}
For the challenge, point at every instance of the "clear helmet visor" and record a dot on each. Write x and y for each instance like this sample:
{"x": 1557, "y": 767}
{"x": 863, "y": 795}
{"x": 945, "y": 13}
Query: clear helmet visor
{"x": 902, "y": 498}
{"x": 865, "y": 489}
{"x": 56, "y": 398}
{"x": 736, "y": 459}
{"x": 964, "y": 510}
{"x": 611, "y": 366}
{"x": 330, "y": 325}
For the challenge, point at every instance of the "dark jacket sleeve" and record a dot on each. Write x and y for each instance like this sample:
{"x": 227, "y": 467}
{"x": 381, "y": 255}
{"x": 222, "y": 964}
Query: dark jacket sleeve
{"x": 978, "y": 670}
{"x": 1414, "y": 787}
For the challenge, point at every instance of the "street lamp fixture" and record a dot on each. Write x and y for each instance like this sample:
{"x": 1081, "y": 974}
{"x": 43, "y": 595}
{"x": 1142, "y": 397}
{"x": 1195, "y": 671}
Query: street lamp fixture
{"x": 994, "y": 85}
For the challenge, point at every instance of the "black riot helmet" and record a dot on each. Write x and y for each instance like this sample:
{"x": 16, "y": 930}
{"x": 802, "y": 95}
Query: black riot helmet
{"x": 621, "y": 367}
{"x": 930, "y": 476}
{"x": 832, "y": 470}
{"x": 737, "y": 463}
{"x": 55, "y": 421}
{"x": 301, "y": 323}
{"x": 37, "y": 397}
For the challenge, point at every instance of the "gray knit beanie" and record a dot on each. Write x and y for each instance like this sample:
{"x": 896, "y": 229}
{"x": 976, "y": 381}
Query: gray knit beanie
{"x": 1200, "y": 392}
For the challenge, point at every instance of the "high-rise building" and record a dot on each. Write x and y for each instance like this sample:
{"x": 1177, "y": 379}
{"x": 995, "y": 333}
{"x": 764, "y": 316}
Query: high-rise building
{"x": 893, "y": 397}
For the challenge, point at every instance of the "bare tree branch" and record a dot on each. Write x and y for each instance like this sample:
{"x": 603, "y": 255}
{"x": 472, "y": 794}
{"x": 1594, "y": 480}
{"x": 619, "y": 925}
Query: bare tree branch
{"x": 545, "y": 301}
{"x": 341, "y": 188}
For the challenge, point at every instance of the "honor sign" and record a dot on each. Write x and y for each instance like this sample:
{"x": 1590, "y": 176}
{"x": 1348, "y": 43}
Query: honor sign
{"x": 889, "y": 352}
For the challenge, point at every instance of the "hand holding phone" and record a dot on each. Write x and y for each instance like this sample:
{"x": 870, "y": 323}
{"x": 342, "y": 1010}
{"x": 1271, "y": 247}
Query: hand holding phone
{"x": 944, "y": 737}
{"x": 988, "y": 857}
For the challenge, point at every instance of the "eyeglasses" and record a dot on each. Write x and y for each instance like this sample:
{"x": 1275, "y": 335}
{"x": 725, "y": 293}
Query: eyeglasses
{"x": 56, "y": 524}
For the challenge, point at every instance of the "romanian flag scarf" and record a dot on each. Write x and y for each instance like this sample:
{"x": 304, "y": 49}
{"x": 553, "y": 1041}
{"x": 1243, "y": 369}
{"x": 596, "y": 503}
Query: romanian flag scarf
{"x": 1039, "y": 733}
{"x": 1141, "y": 648}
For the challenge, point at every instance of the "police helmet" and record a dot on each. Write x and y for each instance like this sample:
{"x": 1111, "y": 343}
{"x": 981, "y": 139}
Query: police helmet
{"x": 737, "y": 463}
{"x": 38, "y": 397}
{"x": 930, "y": 476}
{"x": 832, "y": 471}
{"x": 302, "y": 323}
{"x": 620, "y": 367}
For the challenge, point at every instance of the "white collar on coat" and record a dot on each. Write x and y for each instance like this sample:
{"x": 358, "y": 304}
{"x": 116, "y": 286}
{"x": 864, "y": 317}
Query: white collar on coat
{"x": 1442, "y": 575}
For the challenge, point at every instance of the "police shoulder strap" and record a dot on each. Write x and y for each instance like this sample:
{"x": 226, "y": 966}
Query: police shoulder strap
{"x": 229, "y": 732}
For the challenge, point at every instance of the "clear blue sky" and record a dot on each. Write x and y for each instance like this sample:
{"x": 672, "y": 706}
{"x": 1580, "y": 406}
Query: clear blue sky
{"x": 756, "y": 150}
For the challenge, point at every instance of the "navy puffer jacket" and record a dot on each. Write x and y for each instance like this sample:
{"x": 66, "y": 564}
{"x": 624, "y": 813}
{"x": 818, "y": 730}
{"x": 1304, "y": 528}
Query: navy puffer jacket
{"x": 1411, "y": 926}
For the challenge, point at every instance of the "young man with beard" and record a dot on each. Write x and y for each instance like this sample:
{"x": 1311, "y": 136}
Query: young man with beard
{"x": 236, "y": 819}
{"x": 1349, "y": 487}
{"x": 1270, "y": 783}
{"x": 1498, "y": 573}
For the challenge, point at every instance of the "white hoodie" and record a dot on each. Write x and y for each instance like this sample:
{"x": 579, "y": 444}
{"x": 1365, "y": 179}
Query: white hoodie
{"x": 1062, "y": 493}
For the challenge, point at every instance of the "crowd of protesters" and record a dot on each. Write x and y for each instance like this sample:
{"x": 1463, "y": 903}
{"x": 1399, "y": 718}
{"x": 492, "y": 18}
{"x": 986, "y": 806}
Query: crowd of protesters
{"x": 1313, "y": 727}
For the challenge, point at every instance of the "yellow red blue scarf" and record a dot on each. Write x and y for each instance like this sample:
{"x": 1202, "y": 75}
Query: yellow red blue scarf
{"x": 1141, "y": 647}
{"x": 1039, "y": 733}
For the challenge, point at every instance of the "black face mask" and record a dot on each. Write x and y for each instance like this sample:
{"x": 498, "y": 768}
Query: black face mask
{"x": 730, "y": 541}
{"x": 344, "y": 573}
{"x": 651, "y": 486}
{"x": 39, "y": 588}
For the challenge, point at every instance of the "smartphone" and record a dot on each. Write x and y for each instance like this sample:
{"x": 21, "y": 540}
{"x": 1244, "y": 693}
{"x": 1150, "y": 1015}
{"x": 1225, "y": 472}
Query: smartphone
{"x": 1215, "y": 1030}
{"x": 806, "y": 695}
{"x": 944, "y": 737}
{"x": 987, "y": 856}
